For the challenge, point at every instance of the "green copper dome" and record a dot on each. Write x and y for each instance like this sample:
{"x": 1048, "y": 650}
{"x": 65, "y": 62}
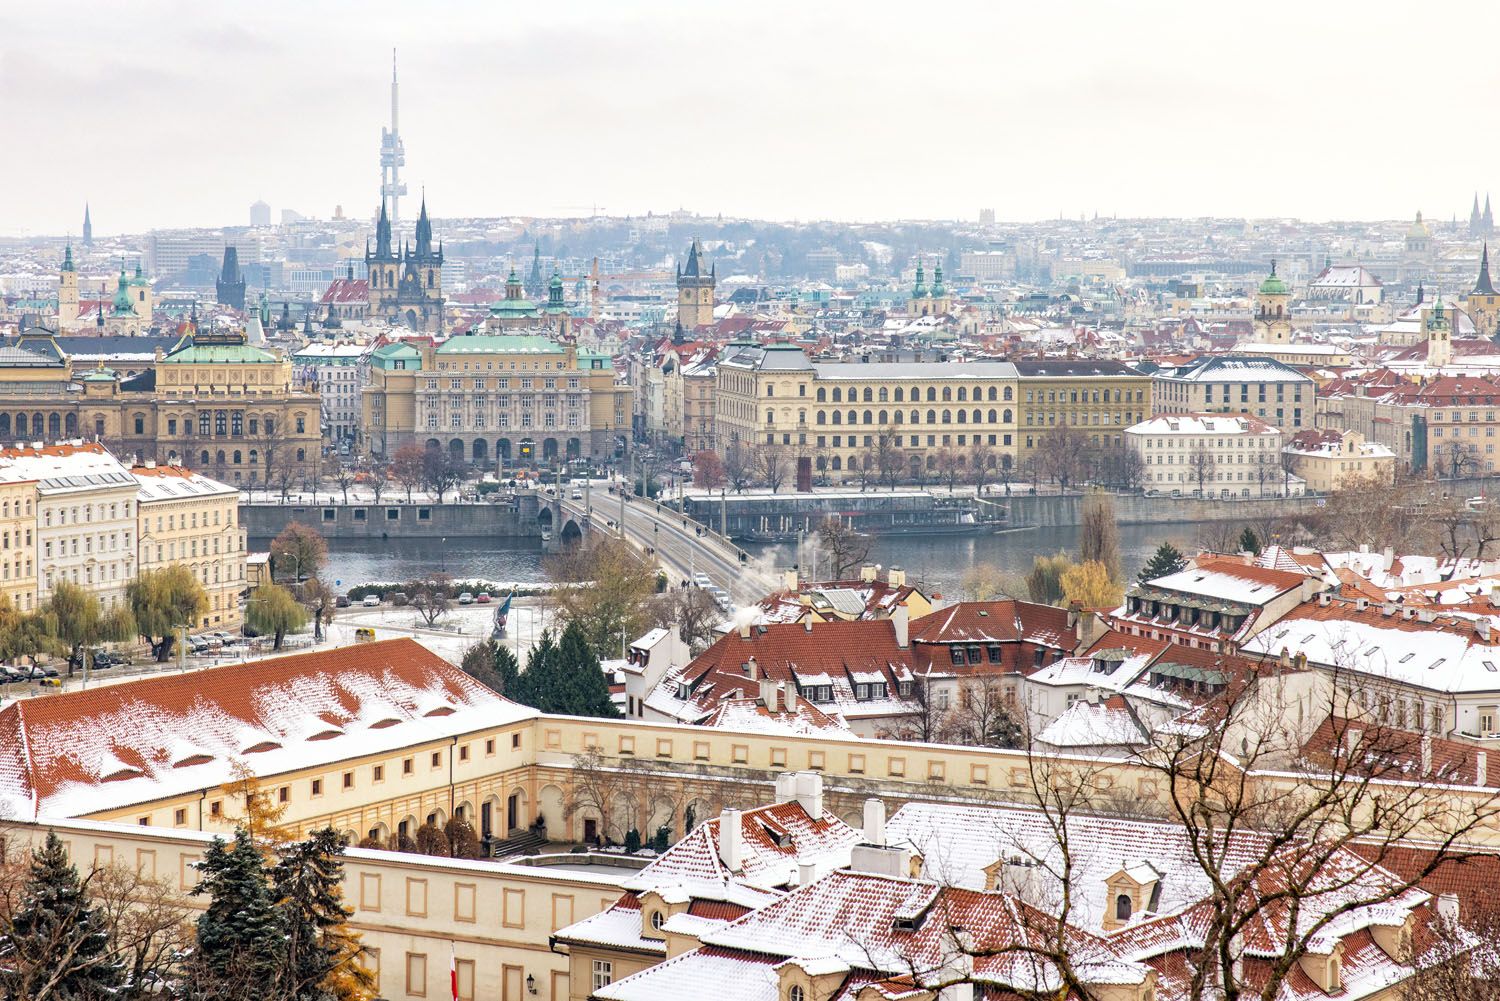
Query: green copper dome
{"x": 1274, "y": 285}
{"x": 67, "y": 264}
{"x": 138, "y": 278}
{"x": 122, "y": 303}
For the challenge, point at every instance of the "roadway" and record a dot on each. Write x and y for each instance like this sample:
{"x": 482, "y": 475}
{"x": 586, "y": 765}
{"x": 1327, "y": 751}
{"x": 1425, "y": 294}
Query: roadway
{"x": 679, "y": 549}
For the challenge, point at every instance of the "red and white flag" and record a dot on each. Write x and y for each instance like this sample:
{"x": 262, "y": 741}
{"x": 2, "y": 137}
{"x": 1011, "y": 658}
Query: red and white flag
{"x": 453, "y": 971}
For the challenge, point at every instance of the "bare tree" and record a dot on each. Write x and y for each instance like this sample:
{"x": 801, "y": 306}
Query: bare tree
{"x": 924, "y": 719}
{"x": 408, "y": 465}
{"x": 430, "y": 598}
{"x": 1060, "y": 454}
{"x": 1201, "y": 463}
{"x": 378, "y": 479}
{"x": 343, "y": 476}
{"x": 842, "y": 549}
{"x": 1099, "y": 536}
{"x": 771, "y": 463}
{"x": 890, "y": 462}
{"x": 692, "y": 612}
{"x": 146, "y": 923}
{"x": 738, "y": 470}
{"x": 986, "y": 715}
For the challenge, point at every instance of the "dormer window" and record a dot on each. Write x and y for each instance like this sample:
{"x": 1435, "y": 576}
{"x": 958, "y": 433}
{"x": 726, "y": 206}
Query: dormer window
{"x": 796, "y": 993}
{"x": 1122, "y": 907}
{"x": 657, "y": 920}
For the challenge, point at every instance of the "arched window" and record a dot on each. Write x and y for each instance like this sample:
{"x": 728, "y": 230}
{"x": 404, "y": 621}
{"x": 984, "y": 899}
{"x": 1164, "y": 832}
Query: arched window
{"x": 836, "y": 464}
{"x": 822, "y": 394}
{"x": 822, "y": 418}
{"x": 963, "y": 417}
{"x": 976, "y": 416}
{"x": 795, "y": 994}
{"x": 1006, "y": 417}
{"x": 884, "y": 394}
{"x": 868, "y": 396}
{"x": 869, "y": 417}
{"x": 836, "y": 397}
{"x": 204, "y": 457}
{"x": 1122, "y": 907}
{"x": 992, "y": 392}
{"x": 932, "y": 417}
{"x": 853, "y": 417}
{"x": 948, "y": 416}
{"x": 931, "y": 395}
{"x": 963, "y": 394}
{"x": 947, "y": 393}
{"x": 220, "y": 457}
{"x": 301, "y": 455}
{"x": 1007, "y": 394}
{"x": 883, "y": 418}
{"x": 237, "y": 457}
{"x": 898, "y": 417}
{"x": 992, "y": 416}
{"x": 838, "y": 417}
{"x": 916, "y": 417}
{"x": 899, "y": 394}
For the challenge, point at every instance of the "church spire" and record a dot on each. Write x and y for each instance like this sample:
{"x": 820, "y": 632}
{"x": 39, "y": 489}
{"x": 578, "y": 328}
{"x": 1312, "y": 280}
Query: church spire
{"x": 1482, "y": 286}
{"x": 67, "y": 264}
{"x": 424, "y": 231}
{"x": 88, "y": 227}
{"x": 383, "y": 235}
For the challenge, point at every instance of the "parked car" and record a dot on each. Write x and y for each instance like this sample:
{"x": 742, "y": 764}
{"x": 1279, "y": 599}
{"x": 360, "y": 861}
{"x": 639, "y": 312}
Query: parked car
{"x": 577, "y": 495}
{"x": 50, "y": 682}
{"x": 399, "y": 599}
{"x": 342, "y": 601}
{"x": 197, "y": 644}
{"x": 371, "y": 601}
{"x": 467, "y": 598}
{"x": 482, "y": 598}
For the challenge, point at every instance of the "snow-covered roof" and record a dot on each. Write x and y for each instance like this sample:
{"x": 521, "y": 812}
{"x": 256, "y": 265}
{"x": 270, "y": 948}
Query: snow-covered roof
{"x": 82, "y": 752}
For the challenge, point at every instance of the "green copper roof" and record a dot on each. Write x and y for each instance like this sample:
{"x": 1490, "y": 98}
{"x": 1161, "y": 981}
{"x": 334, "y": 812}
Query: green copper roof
{"x": 67, "y": 264}
{"x": 218, "y": 354}
{"x": 1273, "y": 285}
{"x": 513, "y": 307}
{"x": 138, "y": 278}
{"x": 122, "y": 302}
{"x": 499, "y": 344}
{"x": 100, "y": 374}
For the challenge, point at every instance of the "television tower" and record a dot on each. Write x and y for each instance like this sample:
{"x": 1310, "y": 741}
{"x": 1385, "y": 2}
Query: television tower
{"x": 392, "y": 153}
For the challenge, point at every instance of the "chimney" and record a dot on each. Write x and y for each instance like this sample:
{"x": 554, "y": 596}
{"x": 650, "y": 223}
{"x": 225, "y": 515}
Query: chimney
{"x": 1361, "y": 604}
{"x": 1482, "y": 627}
{"x": 768, "y": 692}
{"x": 1388, "y": 608}
{"x": 1387, "y": 557}
{"x": 752, "y": 669}
{"x": 874, "y": 821}
{"x": 867, "y": 573}
{"x": 900, "y": 619}
{"x": 1447, "y": 908}
{"x": 789, "y": 579}
{"x": 786, "y": 787}
{"x": 789, "y": 695}
{"x": 806, "y": 873}
{"x": 744, "y": 630}
{"x": 730, "y": 839}
{"x": 1481, "y": 769}
{"x": 1426, "y": 754}
{"x": 1325, "y": 599}
{"x": 810, "y": 793}
{"x": 896, "y": 577}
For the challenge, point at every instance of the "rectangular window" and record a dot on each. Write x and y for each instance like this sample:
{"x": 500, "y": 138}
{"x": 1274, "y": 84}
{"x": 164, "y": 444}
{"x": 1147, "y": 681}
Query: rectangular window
{"x": 416, "y": 974}
{"x": 603, "y": 975}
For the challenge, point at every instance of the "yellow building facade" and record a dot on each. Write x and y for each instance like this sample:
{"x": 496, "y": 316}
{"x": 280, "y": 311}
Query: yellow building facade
{"x": 188, "y": 519}
{"x": 516, "y": 399}
{"x": 18, "y": 543}
{"x": 1097, "y": 399}
{"x": 852, "y": 416}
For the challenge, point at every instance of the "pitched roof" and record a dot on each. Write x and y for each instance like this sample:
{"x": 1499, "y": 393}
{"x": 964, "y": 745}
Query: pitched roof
{"x": 77, "y": 753}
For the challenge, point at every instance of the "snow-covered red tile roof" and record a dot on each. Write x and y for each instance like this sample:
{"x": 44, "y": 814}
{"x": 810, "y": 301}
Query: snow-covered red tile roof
{"x": 78, "y": 753}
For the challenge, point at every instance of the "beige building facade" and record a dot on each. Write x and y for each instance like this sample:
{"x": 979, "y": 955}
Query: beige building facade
{"x": 1331, "y": 460}
{"x": 189, "y": 519}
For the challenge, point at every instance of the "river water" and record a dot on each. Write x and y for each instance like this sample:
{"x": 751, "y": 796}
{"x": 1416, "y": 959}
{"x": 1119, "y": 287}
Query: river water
{"x": 938, "y": 561}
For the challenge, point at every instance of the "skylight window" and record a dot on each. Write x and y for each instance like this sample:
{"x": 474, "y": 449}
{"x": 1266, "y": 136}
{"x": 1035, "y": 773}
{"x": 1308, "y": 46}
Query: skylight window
{"x": 1437, "y": 663}
{"x": 1489, "y": 666}
{"x": 1408, "y": 657}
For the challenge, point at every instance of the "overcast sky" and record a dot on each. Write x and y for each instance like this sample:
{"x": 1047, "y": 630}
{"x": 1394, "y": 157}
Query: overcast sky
{"x": 167, "y": 113}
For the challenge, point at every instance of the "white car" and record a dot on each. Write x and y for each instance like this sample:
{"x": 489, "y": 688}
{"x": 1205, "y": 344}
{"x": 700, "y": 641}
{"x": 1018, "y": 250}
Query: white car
{"x": 371, "y": 601}
{"x": 467, "y": 598}
{"x": 702, "y": 579}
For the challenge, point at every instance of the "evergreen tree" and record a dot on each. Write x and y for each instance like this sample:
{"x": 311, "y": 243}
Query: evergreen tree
{"x": 241, "y": 935}
{"x": 535, "y": 686}
{"x": 581, "y": 679}
{"x": 1249, "y": 541}
{"x": 322, "y": 955}
{"x": 493, "y": 666}
{"x": 57, "y": 944}
{"x": 1166, "y": 560}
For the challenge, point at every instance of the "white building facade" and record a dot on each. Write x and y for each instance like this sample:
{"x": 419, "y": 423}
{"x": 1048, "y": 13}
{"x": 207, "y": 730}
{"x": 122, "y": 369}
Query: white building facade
{"x": 1211, "y": 455}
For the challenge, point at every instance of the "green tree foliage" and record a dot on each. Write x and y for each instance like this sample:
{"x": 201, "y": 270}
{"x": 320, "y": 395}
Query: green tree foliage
{"x": 242, "y": 936}
{"x": 57, "y": 942}
{"x": 564, "y": 676}
{"x": 1249, "y": 541}
{"x": 1044, "y": 582}
{"x": 274, "y": 612}
{"x": 74, "y": 617}
{"x": 298, "y": 553}
{"x": 322, "y": 955}
{"x": 610, "y": 595}
{"x": 1099, "y": 536}
{"x": 160, "y": 601}
{"x": 1166, "y": 560}
{"x": 492, "y": 665}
